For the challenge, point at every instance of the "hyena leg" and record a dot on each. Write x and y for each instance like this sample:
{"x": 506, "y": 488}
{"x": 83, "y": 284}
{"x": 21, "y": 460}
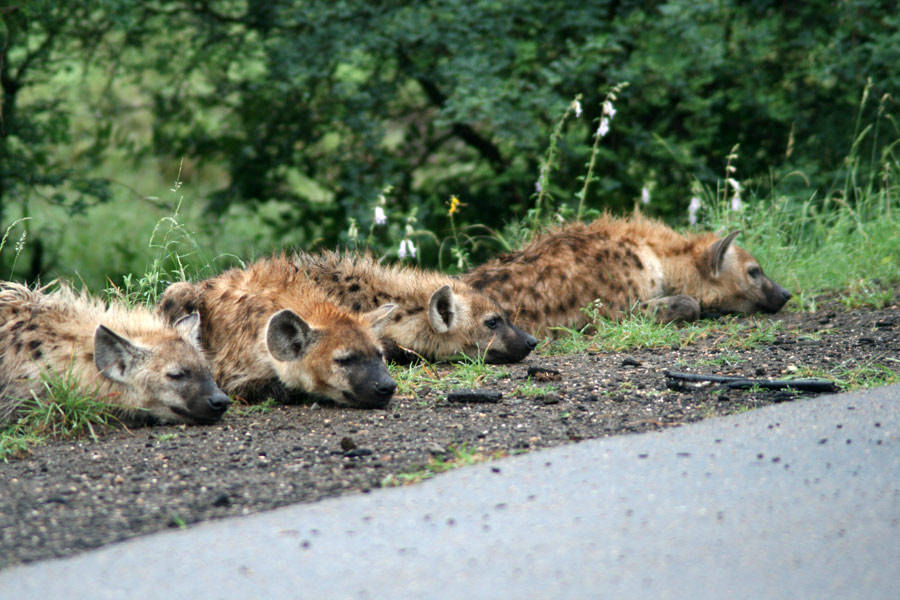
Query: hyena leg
{"x": 670, "y": 309}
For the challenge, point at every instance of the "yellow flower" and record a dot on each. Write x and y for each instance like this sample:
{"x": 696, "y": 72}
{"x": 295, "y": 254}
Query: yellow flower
{"x": 454, "y": 205}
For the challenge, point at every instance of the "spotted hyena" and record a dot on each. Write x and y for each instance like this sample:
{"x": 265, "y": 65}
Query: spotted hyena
{"x": 127, "y": 357}
{"x": 270, "y": 332}
{"x": 625, "y": 264}
{"x": 437, "y": 317}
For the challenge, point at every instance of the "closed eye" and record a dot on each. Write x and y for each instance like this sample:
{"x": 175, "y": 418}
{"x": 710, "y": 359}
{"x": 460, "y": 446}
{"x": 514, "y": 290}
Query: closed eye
{"x": 348, "y": 360}
{"x": 180, "y": 374}
{"x": 754, "y": 272}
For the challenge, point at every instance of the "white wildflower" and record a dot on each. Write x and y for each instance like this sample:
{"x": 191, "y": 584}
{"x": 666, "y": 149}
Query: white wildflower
{"x": 380, "y": 217}
{"x": 608, "y": 109}
{"x": 576, "y": 105}
{"x": 645, "y": 196}
{"x": 538, "y": 186}
{"x": 604, "y": 127}
{"x": 734, "y": 185}
{"x": 736, "y": 203}
{"x": 693, "y": 209}
{"x": 407, "y": 248}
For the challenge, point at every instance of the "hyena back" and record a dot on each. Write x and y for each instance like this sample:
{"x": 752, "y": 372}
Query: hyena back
{"x": 437, "y": 317}
{"x": 131, "y": 358}
{"x": 625, "y": 264}
{"x": 270, "y": 332}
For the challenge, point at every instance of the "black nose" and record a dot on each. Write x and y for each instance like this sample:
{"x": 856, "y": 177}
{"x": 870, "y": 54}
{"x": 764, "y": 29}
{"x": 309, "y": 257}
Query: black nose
{"x": 531, "y": 341}
{"x": 218, "y": 401}
{"x": 786, "y": 294}
{"x": 385, "y": 387}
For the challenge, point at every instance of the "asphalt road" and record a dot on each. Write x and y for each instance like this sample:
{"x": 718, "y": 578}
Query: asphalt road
{"x": 800, "y": 500}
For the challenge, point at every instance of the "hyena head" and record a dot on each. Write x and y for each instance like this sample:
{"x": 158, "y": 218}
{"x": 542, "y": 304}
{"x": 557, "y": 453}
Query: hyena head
{"x": 340, "y": 359}
{"x": 171, "y": 376}
{"x": 738, "y": 282}
{"x": 468, "y": 321}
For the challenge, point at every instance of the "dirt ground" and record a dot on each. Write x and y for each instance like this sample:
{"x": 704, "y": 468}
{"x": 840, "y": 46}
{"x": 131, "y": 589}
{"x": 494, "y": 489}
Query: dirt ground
{"x": 71, "y": 496}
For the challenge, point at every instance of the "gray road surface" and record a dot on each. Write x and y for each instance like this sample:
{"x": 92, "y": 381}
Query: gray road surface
{"x": 800, "y": 500}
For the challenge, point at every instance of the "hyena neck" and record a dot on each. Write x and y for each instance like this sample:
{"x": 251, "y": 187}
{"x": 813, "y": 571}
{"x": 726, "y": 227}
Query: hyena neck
{"x": 681, "y": 274}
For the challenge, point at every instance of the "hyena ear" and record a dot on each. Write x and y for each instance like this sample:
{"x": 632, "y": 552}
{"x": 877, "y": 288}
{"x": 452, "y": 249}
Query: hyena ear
{"x": 442, "y": 309}
{"x": 189, "y": 328}
{"x": 378, "y": 317}
{"x": 115, "y": 356}
{"x": 715, "y": 254}
{"x": 288, "y": 336}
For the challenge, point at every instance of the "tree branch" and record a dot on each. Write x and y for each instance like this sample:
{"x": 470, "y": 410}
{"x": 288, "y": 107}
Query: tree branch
{"x": 465, "y": 132}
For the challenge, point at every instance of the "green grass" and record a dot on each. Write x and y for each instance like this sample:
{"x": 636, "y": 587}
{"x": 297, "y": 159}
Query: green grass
{"x": 266, "y": 406}
{"x": 848, "y": 378}
{"x": 638, "y": 332}
{"x": 862, "y": 293}
{"x": 471, "y": 372}
{"x": 466, "y": 372}
{"x": 459, "y": 456}
{"x": 531, "y": 389}
{"x": 64, "y": 410}
{"x": 724, "y": 359}
{"x": 411, "y": 378}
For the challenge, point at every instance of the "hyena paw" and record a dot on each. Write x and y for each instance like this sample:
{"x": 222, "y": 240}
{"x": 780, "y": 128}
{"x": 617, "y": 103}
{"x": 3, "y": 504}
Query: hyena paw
{"x": 180, "y": 299}
{"x": 669, "y": 309}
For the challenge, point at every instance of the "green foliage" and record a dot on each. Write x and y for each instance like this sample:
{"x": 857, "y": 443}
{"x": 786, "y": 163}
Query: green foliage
{"x": 302, "y": 114}
{"x": 63, "y": 409}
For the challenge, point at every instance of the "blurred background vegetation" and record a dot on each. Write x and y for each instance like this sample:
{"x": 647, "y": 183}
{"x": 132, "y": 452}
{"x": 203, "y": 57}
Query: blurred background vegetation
{"x": 273, "y": 123}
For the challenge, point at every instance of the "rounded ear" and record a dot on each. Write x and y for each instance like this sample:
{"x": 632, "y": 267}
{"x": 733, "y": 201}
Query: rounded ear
{"x": 189, "y": 328}
{"x": 115, "y": 357}
{"x": 715, "y": 254}
{"x": 378, "y": 317}
{"x": 288, "y": 336}
{"x": 442, "y": 309}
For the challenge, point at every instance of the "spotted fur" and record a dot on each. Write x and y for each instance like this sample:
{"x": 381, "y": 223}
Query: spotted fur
{"x": 129, "y": 357}
{"x": 437, "y": 316}
{"x": 626, "y": 264}
{"x": 270, "y": 332}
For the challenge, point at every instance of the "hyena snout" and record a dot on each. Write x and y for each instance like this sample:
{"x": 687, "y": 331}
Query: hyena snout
{"x": 776, "y": 297}
{"x": 218, "y": 402}
{"x": 207, "y": 404}
{"x": 384, "y": 388}
{"x": 531, "y": 341}
{"x": 371, "y": 384}
{"x": 512, "y": 344}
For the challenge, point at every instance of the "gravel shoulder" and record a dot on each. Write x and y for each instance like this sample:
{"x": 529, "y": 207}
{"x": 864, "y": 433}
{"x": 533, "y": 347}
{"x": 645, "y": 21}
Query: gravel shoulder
{"x": 71, "y": 496}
